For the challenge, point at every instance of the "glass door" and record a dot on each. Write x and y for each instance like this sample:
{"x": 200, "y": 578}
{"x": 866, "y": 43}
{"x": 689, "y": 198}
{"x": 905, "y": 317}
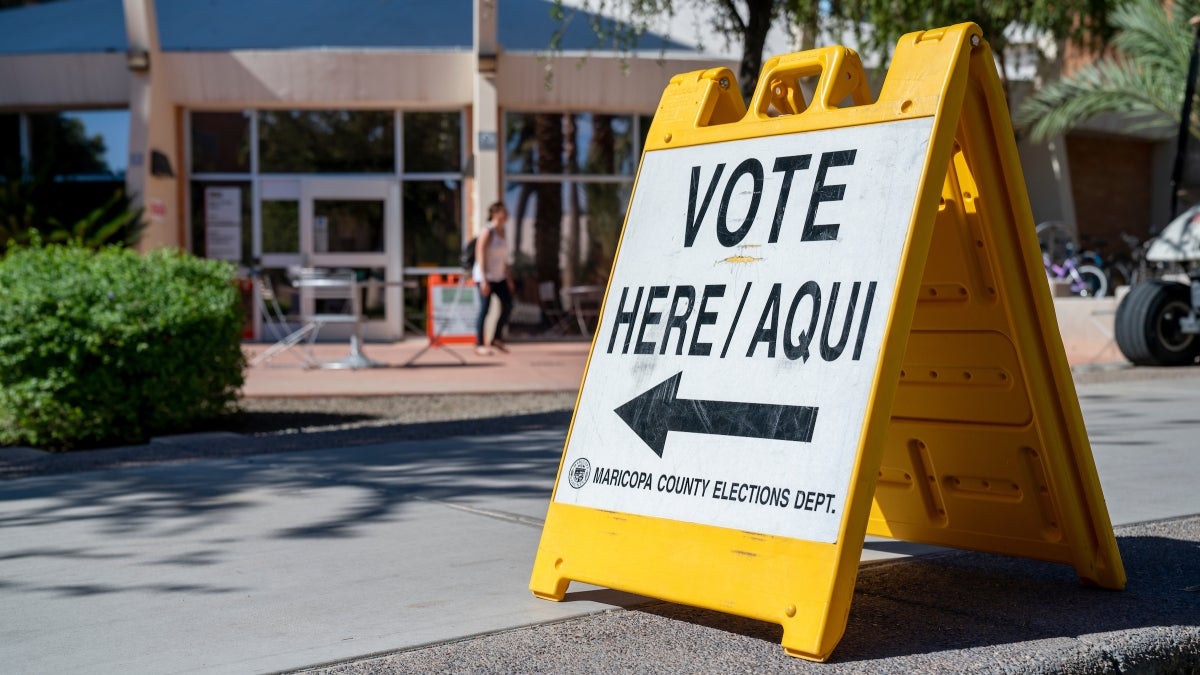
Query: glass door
{"x": 277, "y": 253}
{"x": 334, "y": 224}
{"x": 354, "y": 224}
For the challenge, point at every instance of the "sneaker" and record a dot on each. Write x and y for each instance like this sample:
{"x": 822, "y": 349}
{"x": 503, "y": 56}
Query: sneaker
{"x": 500, "y": 346}
{"x": 483, "y": 351}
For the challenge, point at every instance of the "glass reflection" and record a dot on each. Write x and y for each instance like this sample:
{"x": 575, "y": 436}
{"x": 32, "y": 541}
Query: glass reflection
{"x": 220, "y": 142}
{"x": 432, "y": 223}
{"x": 10, "y": 145}
{"x": 432, "y": 142}
{"x": 327, "y": 141}
{"x": 79, "y": 144}
{"x": 280, "y": 226}
{"x": 347, "y": 226}
{"x": 572, "y": 143}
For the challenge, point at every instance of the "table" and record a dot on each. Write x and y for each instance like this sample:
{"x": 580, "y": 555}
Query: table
{"x": 356, "y": 359}
{"x": 338, "y": 286}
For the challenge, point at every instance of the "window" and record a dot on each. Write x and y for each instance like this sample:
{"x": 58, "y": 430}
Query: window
{"x": 569, "y": 178}
{"x": 80, "y": 145}
{"x": 574, "y": 143}
{"x": 347, "y": 226}
{"x": 74, "y": 162}
{"x": 432, "y": 142}
{"x": 327, "y": 141}
{"x": 296, "y": 146}
{"x": 432, "y": 223}
{"x": 280, "y": 226}
{"x": 220, "y": 142}
{"x": 10, "y": 145}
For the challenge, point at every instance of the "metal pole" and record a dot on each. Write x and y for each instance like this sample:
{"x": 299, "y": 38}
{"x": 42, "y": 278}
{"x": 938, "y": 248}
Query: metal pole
{"x": 1185, "y": 117}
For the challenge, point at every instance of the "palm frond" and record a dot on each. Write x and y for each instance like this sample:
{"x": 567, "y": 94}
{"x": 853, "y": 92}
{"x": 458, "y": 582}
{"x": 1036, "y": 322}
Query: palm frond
{"x": 1149, "y": 35}
{"x": 1106, "y": 86}
{"x": 1143, "y": 81}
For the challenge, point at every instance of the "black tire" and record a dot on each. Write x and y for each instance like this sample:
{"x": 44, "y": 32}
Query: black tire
{"x": 1147, "y": 325}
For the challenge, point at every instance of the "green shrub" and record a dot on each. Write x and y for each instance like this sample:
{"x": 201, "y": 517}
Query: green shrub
{"x": 112, "y": 347}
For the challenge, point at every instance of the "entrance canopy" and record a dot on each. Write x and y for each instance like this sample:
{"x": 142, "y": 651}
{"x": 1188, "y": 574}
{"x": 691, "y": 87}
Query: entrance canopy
{"x": 84, "y": 43}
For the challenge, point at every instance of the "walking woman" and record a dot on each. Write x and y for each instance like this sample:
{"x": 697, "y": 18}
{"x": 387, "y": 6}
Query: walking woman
{"x": 492, "y": 277}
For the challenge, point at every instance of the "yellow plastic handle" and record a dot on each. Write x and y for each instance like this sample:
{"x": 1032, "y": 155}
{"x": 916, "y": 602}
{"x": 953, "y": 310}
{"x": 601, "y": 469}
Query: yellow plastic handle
{"x": 839, "y": 72}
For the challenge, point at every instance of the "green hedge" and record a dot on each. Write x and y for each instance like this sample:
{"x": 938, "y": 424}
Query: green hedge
{"x": 112, "y": 347}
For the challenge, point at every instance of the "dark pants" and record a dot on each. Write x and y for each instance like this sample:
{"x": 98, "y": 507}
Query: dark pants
{"x": 501, "y": 291}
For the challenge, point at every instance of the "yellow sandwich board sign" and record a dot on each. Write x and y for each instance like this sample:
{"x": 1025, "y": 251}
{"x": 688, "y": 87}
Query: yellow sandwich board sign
{"x": 826, "y": 318}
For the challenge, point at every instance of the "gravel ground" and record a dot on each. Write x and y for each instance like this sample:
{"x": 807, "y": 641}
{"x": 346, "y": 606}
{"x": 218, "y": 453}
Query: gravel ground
{"x": 296, "y": 415}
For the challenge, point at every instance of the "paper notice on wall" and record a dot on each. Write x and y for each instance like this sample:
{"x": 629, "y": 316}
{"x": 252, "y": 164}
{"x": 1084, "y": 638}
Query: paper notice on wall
{"x": 320, "y": 234}
{"x": 223, "y": 223}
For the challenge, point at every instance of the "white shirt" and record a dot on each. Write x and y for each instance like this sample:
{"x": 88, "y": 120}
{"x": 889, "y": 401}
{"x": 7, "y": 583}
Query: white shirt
{"x": 497, "y": 259}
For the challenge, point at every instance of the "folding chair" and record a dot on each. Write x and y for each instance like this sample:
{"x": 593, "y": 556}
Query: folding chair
{"x": 319, "y": 285}
{"x": 551, "y": 306}
{"x": 274, "y": 319}
{"x": 275, "y": 322}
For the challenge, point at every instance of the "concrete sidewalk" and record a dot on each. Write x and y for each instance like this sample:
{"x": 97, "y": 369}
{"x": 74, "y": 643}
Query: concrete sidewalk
{"x": 422, "y": 551}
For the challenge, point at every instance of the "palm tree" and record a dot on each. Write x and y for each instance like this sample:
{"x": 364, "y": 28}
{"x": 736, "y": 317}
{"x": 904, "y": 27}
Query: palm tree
{"x": 1143, "y": 80}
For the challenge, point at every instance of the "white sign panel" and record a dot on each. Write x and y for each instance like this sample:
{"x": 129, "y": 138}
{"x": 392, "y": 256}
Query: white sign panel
{"x": 223, "y": 223}
{"x": 743, "y": 326}
{"x": 455, "y": 309}
{"x": 321, "y": 234}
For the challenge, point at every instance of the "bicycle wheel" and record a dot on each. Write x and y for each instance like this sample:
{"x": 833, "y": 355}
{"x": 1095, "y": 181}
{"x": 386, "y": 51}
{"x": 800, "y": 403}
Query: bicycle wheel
{"x": 1092, "y": 282}
{"x": 1120, "y": 273}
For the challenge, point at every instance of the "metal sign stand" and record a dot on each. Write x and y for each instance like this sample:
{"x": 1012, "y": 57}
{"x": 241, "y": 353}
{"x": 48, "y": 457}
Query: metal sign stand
{"x": 440, "y": 325}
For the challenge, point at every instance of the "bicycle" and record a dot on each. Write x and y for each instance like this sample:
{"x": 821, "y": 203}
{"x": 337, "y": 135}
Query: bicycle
{"x": 1084, "y": 280}
{"x": 1058, "y": 239}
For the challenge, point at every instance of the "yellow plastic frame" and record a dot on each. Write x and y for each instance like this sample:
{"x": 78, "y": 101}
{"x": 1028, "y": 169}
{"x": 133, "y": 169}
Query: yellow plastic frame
{"x": 973, "y": 436}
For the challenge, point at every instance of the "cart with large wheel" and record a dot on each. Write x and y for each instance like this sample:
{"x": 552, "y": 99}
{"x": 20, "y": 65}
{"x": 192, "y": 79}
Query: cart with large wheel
{"x": 1158, "y": 321}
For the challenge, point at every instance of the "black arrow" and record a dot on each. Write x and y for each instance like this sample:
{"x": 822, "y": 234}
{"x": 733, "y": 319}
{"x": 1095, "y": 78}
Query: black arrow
{"x": 656, "y": 411}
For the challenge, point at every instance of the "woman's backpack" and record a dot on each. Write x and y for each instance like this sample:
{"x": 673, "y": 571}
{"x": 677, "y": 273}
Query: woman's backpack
{"x": 467, "y": 257}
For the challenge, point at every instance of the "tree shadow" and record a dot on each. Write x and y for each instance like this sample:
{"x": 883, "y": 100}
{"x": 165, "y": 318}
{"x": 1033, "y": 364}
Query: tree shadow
{"x": 269, "y": 433}
{"x": 475, "y": 462}
{"x": 353, "y": 481}
{"x": 953, "y": 601}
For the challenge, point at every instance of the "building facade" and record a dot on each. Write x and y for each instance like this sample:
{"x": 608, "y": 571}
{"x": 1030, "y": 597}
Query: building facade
{"x": 369, "y": 135}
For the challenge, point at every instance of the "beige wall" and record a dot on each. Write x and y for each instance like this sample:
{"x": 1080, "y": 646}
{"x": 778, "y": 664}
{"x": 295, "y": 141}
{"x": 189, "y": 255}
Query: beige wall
{"x": 589, "y": 83}
{"x": 344, "y": 78}
{"x": 63, "y": 81}
{"x": 319, "y": 78}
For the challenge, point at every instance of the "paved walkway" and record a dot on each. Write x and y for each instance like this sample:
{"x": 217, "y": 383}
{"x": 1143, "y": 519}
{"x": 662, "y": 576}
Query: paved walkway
{"x": 548, "y": 365}
{"x": 420, "y": 553}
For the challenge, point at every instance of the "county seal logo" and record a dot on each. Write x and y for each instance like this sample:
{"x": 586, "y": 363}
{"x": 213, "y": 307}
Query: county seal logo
{"x": 580, "y": 470}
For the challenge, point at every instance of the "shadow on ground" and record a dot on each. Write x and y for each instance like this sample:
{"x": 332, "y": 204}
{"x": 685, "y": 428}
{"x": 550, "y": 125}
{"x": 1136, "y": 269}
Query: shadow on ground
{"x": 952, "y": 612}
{"x": 252, "y": 433}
